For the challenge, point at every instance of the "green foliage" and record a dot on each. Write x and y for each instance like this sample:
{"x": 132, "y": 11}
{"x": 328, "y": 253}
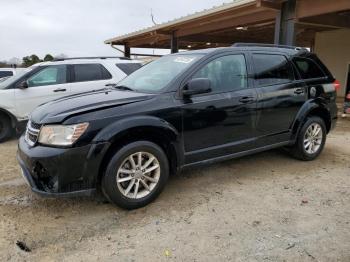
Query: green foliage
{"x": 33, "y": 59}
{"x": 48, "y": 57}
{"x": 30, "y": 60}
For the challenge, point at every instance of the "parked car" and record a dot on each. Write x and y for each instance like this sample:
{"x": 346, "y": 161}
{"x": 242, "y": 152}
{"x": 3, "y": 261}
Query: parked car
{"x": 46, "y": 81}
{"x": 181, "y": 110}
{"x": 8, "y": 72}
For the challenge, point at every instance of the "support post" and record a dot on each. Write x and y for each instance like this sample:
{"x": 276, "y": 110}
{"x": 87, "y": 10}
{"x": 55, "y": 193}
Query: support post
{"x": 174, "y": 43}
{"x": 286, "y": 35}
{"x": 277, "y": 28}
{"x": 126, "y": 51}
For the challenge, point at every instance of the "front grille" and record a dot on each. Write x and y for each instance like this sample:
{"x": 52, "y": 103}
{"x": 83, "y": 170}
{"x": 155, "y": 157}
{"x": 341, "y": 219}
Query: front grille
{"x": 35, "y": 125}
{"x": 32, "y": 133}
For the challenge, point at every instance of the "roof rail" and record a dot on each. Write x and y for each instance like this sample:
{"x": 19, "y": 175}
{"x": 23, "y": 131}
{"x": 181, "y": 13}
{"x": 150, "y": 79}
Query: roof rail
{"x": 92, "y": 57}
{"x": 269, "y": 45}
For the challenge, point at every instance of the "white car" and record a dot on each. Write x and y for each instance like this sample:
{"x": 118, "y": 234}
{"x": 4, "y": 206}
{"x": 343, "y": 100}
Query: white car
{"x": 8, "y": 72}
{"x": 22, "y": 93}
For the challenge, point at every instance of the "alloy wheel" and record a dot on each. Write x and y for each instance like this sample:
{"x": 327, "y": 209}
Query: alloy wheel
{"x": 313, "y": 138}
{"x": 138, "y": 175}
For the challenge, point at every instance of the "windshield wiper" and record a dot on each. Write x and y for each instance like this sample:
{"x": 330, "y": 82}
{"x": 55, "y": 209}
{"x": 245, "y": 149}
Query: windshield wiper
{"x": 126, "y": 88}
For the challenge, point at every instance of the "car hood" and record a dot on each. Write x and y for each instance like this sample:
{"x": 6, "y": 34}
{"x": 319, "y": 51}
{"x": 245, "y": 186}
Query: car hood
{"x": 58, "y": 110}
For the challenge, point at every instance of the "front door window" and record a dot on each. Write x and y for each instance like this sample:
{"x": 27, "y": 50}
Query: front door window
{"x": 51, "y": 75}
{"x": 226, "y": 73}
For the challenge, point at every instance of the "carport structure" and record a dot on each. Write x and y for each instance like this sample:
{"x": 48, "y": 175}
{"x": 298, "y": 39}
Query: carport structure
{"x": 294, "y": 22}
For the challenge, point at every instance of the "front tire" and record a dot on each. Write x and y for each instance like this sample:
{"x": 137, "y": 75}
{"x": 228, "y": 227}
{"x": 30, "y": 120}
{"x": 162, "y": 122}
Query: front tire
{"x": 135, "y": 175}
{"x": 5, "y": 128}
{"x": 311, "y": 139}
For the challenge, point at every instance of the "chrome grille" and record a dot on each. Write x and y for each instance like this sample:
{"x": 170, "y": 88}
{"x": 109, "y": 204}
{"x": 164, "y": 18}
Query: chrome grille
{"x": 35, "y": 125}
{"x": 32, "y": 133}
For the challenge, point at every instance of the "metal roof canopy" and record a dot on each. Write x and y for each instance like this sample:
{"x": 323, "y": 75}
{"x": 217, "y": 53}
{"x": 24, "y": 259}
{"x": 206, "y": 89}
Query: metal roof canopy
{"x": 241, "y": 21}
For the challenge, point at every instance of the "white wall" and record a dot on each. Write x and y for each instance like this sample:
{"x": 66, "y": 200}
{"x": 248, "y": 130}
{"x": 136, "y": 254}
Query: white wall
{"x": 333, "y": 48}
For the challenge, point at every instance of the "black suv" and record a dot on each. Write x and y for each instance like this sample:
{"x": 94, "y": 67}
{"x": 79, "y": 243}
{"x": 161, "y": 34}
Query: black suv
{"x": 181, "y": 110}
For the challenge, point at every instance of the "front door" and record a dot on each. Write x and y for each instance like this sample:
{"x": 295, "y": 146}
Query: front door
{"x": 45, "y": 85}
{"x": 221, "y": 122}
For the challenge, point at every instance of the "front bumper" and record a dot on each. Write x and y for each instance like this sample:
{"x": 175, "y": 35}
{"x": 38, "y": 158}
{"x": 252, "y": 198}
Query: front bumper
{"x": 61, "y": 172}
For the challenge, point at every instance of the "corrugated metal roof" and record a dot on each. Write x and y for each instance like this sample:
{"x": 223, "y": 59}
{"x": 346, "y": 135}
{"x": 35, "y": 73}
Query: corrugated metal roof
{"x": 183, "y": 19}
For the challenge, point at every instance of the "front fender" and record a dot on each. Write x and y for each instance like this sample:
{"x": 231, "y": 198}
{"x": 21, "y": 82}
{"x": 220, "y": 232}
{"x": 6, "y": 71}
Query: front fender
{"x": 108, "y": 133}
{"x": 118, "y": 129}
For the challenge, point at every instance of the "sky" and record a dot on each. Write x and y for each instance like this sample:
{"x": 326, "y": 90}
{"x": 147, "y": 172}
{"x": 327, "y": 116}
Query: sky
{"x": 79, "y": 27}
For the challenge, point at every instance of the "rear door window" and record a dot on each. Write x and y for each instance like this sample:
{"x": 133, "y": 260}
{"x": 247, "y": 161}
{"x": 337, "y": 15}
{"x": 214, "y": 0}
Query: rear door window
{"x": 5, "y": 73}
{"x": 271, "y": 69}
{"x": 128, "y": 68}
{"x": 90, "y": 72}
{"x": 308, "y": 68}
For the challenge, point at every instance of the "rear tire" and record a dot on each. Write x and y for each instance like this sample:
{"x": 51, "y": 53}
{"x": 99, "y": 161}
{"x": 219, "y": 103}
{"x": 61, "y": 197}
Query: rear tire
{"x": 5, "y": 128}
{"x": 135, "y": 175}
{"x": 311, "y": 139}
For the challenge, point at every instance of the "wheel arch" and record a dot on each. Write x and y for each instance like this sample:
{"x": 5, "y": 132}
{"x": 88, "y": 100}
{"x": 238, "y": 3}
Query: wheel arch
{"x": 12, "y": 118}
{"x": 312, "y": 108}
{"x": 146, "y": 128}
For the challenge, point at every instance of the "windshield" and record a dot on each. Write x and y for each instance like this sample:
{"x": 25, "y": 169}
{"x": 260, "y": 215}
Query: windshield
{"x": 8, "y": 81}
{"x": 154, "y": 76}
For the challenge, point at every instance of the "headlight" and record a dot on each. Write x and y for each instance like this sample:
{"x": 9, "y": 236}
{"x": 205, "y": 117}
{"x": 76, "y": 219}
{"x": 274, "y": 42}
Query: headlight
{"x": 61, "y": 135}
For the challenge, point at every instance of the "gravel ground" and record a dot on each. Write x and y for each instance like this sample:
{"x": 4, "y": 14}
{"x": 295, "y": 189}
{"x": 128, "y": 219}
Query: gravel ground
{"x": 265, "y": 207}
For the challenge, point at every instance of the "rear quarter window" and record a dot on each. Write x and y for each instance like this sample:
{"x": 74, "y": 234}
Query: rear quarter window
{"x": 307, "y": 68}
{"x": 272, "y": 69}
{"x": 128, "y": 68}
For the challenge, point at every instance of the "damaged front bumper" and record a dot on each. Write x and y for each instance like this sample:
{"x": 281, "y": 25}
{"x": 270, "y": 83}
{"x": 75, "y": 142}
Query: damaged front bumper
{"x": 61, "y": 172}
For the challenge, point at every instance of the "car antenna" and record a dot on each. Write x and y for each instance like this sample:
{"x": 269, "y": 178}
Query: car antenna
{"x": 152, "y": 17}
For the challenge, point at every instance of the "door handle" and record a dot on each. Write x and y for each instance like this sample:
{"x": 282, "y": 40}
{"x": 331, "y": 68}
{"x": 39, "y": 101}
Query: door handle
{"x": 110, "y": 84}
{"x": 299, "y": 91}
{"x": 60, "y": 90}
{"x": 246, "y": 99}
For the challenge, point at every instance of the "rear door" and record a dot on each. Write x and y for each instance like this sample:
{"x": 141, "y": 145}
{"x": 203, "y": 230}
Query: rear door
{"x": 280, "y": 97}
{"x": 49, "y": 83}
{"x": 88, "y": 77}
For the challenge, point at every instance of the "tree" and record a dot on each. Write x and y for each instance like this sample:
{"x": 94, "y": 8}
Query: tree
{"x": 27, "y": 61}
{"x": 30, "y": 60}
{"x": 48, "y": 57}
{"x": 35, "y": 59}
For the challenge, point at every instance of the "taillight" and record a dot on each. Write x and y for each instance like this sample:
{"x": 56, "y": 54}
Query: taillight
{"x": 348, "y": 96}
{"x": 336, "y": 84}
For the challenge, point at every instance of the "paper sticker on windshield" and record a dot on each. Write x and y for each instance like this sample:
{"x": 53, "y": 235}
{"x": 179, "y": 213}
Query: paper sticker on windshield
{"x": 184, "y": 59}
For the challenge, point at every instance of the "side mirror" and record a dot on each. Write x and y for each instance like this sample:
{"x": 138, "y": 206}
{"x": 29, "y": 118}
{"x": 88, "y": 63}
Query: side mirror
{"x": 23, "y": 85}
{"x": 197, "y": 86}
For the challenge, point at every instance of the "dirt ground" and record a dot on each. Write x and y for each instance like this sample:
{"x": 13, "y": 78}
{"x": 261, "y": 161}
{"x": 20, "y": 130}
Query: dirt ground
{"x": 265, "y": 207}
